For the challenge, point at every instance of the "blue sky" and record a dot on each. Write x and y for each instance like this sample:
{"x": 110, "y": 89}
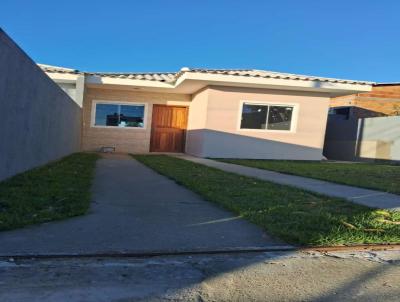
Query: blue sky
{"x": 345, "y": 39}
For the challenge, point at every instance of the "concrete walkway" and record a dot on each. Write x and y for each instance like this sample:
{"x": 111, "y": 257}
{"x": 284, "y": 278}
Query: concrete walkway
{"x": 370, "y": 198}
{"x": 135, "y": 210}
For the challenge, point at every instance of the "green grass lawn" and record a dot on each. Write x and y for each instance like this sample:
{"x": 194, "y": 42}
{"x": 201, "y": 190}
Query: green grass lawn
{"x": 294, "y": 215}
{"x": 382, "y": 177}
{"x": 58, "y": 190}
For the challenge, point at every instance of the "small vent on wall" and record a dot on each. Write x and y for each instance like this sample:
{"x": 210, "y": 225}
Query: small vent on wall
{"x": 107, "y": 149}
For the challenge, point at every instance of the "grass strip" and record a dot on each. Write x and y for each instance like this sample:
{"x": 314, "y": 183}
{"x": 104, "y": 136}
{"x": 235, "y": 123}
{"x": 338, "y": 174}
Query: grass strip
{"x": 294, "y": 215}
{"x": 55, "y": 191}
{"x": 382, "y": 177}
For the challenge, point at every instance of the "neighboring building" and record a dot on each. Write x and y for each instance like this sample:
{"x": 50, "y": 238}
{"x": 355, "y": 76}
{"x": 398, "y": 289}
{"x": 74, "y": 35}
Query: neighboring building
{"x": 365, "y": 126}
{"x": 383, "y": 100}
{"x": 208, "y": 113}
{"x": 70, "y": 80}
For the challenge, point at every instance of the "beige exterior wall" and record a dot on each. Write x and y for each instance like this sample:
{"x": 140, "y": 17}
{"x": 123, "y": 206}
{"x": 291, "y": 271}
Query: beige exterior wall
{"x": 221, "y": 136}
{"x": 130, "y": 140}
{"x": 213, "y": 123}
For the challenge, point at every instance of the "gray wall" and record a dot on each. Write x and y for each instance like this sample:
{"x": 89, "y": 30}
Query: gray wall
{"x": 341, "y": 138}
{"x": 39, "y": 121}
{"x": 363, "y": 139}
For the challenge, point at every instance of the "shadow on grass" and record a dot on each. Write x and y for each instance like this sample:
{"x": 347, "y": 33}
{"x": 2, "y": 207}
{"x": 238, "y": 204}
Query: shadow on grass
{"x": 294, "y": 215}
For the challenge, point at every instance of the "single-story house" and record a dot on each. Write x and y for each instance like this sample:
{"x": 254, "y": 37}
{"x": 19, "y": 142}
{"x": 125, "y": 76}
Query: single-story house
{"x": 205, "y": 112}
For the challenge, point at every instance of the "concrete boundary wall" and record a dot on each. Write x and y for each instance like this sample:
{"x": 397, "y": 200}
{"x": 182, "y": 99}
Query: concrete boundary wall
{"x": 379, "y": 138}
{"x": 375, "y": 138}
{"x": 39, "y": 122}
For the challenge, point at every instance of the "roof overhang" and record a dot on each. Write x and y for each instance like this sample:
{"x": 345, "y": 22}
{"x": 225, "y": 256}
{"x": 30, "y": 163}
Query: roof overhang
{"x": 63, "y": 77}
{"x": 190, "y": 82}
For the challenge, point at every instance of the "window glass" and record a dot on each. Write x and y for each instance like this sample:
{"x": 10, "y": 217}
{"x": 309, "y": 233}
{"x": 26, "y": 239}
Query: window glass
{"x": 343, "y": 113}
{"x": 265, "y": 116}
{"x": 106, "y": 115}
{"x": 279, "y": 117}
{"x": 131, "y": 116}
{"x": 119, "y": 115}
{"x": 254, "y": 116}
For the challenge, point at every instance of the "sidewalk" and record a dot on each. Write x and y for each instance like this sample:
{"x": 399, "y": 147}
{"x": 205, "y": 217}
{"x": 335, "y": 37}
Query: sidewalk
{"x": 370, "y": 198}
{"x": 278, "y": 276}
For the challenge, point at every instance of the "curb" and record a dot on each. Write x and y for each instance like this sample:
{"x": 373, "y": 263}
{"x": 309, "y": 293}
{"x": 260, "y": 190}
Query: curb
{"x": 284, "y": 248}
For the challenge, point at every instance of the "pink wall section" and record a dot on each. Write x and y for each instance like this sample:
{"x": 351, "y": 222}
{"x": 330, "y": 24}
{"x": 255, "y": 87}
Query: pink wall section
{"x": 197, "y": 120}
{"x": 219, "y": 134}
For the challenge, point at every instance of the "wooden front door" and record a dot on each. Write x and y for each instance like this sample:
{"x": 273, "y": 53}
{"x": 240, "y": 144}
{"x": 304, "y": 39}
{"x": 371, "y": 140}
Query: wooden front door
{"x": 168, "y": 128}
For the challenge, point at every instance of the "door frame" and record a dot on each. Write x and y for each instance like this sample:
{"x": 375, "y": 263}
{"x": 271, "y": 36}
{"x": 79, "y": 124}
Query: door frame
{"x": 153, "y": 128}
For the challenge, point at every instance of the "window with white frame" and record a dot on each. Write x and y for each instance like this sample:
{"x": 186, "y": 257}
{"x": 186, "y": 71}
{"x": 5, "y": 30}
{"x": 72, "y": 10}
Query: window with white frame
{"x": 266, "y": 116}
{"x": 119, "y": 115}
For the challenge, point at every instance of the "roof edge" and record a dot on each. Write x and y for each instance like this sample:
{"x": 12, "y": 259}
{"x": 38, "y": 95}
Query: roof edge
{"x": 387, "y": 84}
{"x": 173, "y": 77}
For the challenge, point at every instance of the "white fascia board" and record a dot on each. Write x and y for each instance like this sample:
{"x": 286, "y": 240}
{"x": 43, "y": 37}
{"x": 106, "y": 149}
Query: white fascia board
{"x": 242, "y": 81}
{"x": 92, "y": 79}
{"x": 63, "y": 77}
{"x": 80, "y": 90}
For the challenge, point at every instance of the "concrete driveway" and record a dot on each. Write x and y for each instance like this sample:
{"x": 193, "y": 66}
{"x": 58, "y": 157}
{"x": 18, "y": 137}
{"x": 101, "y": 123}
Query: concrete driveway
{"x": 136, "y": 210}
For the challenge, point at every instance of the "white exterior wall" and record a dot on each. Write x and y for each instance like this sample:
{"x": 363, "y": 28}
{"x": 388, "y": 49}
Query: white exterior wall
{"x": 69, "y": 88}
{"x": 379, "y": 138}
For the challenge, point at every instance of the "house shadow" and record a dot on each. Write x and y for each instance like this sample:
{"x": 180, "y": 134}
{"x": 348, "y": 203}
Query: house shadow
{"x": 219, "y": 144}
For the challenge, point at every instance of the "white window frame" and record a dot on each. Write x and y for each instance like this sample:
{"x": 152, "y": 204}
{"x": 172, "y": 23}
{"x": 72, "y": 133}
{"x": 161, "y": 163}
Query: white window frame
{"x": 293, "y": 123}
{"x": 108, "y": 102}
